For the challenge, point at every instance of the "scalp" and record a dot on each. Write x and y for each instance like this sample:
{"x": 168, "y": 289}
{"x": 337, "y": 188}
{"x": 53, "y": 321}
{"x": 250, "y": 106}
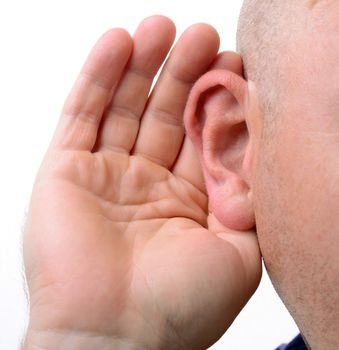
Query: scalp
{"x": 267, "y": 30}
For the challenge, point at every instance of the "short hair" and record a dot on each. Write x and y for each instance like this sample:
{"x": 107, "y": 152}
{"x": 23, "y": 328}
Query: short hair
{"x": 266, "y": 30}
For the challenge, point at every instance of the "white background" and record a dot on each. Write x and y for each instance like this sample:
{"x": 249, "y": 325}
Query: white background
{"x": 43, "y": 45}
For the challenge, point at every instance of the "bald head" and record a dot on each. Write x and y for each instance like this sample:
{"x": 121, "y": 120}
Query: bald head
{"x": 266, "y": 32}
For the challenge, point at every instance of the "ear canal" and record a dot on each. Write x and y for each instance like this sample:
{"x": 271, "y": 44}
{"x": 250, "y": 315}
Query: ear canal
{"x": 215, "y": 121}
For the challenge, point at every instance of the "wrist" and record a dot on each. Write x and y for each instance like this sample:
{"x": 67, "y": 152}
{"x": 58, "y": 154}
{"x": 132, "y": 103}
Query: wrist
{"x": 76, "y": 340}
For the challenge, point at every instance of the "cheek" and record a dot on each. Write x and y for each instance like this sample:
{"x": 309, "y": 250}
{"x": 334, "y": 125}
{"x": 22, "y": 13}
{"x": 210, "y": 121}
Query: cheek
{"x": 269, "y": 205}
{"x": 306, "y": 172}
{"x": 297, "y": 188}
{"x": 296, "y": 199}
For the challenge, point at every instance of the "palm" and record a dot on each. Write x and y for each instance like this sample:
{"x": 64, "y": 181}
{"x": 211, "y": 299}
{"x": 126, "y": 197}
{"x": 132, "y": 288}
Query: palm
{"x": 125, "y": 238}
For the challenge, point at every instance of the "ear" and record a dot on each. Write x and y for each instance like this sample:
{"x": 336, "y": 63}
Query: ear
{"x": 217, "y": 119}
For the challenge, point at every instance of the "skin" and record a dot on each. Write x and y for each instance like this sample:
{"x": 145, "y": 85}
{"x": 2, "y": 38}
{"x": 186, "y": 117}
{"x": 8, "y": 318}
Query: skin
{"x": 283, "y": 170}
{"x": 119, "y": 209}
{"x": 120, "y": 250}
{"x": 300, "y": 169}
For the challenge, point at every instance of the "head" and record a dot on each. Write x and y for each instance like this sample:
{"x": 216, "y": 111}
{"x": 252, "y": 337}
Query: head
{"x": 267, "y": 134}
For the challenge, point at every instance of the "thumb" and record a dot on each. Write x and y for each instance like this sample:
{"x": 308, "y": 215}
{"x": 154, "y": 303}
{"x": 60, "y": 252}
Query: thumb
{"x": 246, "y": 244}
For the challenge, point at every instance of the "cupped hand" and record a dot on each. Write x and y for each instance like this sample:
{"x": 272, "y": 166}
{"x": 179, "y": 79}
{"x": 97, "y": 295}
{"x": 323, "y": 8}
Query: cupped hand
{"x": 120, "y": 250}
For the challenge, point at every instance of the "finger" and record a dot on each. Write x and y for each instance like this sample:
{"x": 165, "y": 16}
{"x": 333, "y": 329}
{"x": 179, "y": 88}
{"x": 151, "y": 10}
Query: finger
{"x": 228, "y": 60}
{"x": 152, "y": 41}
{"x": 82, "y": 112}
{"x": 161, "y": 131}
{"x": 187, "y": 165}
{"x": 246, "y": 243}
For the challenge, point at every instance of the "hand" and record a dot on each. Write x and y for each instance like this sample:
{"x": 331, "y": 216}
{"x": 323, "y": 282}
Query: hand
{"x": 119, "y": 250}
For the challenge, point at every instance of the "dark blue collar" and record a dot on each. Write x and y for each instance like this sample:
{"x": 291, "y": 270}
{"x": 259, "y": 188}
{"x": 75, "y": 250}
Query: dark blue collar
{"x": 296, "y": 344}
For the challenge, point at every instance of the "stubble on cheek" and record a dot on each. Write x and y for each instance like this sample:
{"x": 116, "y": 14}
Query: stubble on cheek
{"x": 296, "y": 201}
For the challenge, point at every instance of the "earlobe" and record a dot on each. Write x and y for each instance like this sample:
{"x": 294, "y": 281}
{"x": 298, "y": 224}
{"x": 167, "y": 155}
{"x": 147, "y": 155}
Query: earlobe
{"x": 215, "y": 120}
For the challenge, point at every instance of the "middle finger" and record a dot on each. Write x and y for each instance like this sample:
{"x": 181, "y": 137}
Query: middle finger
{"x": 161, "y": 131}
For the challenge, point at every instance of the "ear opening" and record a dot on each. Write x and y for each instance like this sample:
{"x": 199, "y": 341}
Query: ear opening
{"x": 215, "y": 120}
